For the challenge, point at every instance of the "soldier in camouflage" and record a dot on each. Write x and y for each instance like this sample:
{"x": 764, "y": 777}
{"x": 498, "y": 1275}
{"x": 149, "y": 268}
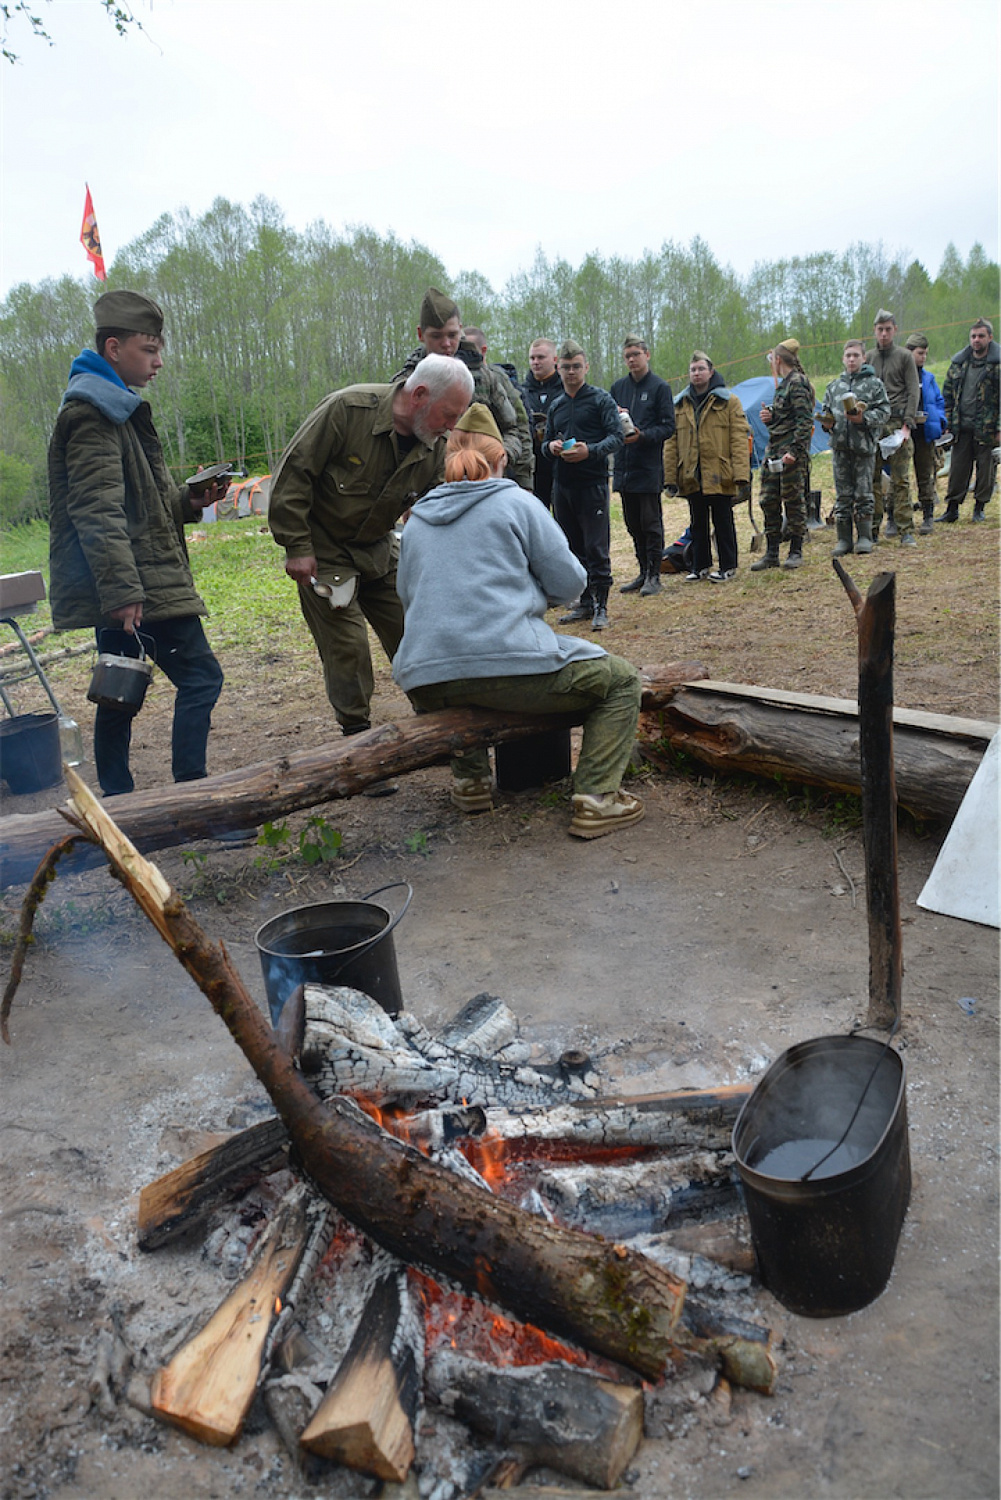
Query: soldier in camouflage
{"x": 789, "y": 420}
{"x": 440, "y": 332}
{"x": 898, "y": 372}
{"x": 855, "y": 426}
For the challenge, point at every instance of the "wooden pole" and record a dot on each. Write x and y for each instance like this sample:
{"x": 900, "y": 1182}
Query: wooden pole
{"x": 875, "y": 616}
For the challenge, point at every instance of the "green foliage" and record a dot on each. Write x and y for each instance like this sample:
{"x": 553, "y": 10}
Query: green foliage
{"x": 418, "y": 842}
{"x": 263, "y": 321}
{"x": 318, "y": 843}
{"x": 16, "y": 485}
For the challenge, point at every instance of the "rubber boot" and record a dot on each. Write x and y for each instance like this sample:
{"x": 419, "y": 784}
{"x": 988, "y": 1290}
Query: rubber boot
{"x": 978, "y": 513}
{"x": 890, "y": 528}
{"x": 599, "y": 620}
{"x": 928, "y": 522}
{"x": 863, "y": 527}
{"x": 795, "y": 558}
{"x": 951, "y": 512}
{"x": 844, "y": 543}
{"x": 769, "y": 558}
{"x": 652, "y": 584}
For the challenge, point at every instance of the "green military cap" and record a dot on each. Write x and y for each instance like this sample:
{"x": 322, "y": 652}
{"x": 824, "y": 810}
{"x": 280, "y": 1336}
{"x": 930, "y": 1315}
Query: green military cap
{"x": 128, "y": 310}
{"x": 570, "y": 349}
{"x": 436, "y": 309}
{"x": 884, "y": 317}
{"x": 478, "y": 418}
{"x": 633, "y": 341}
{"x": 917, "y": 341}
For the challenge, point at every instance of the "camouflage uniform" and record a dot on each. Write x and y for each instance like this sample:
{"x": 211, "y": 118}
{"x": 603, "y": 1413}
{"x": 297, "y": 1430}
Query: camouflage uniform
{"x": 494, "y": 389}
{"x": 898, "y": 372}
{"x": 790, "y": 432}
{"x": 854, "y": 444}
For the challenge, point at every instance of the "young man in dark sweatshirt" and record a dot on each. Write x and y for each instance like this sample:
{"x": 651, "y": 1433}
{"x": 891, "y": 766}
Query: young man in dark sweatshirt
{"x": 583, "y": 431}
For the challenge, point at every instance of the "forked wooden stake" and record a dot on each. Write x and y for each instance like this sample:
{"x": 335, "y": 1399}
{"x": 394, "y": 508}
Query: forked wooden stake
{"x": 875, "y": 616}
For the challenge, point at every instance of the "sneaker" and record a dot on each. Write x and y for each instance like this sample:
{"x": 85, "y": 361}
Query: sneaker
{"x": 719, "y": 576}
{"x": 472, "y": 794}
{"x": 696, "y": 577}
{"x": 594, "y": 816}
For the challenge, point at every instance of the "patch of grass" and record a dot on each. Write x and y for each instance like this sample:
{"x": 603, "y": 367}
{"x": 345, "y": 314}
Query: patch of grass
{"x": 418, "y": 842}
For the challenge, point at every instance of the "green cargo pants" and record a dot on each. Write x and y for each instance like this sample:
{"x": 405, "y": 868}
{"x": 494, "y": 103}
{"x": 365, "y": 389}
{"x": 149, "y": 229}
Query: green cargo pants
{"x": 341, "y": 637}
{"x": 606, "y": 688}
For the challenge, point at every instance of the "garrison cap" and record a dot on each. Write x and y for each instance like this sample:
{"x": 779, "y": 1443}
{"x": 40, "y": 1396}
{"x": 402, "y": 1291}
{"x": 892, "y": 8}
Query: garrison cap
{"x": 570, "y": 349}
{"x": 478, "y": 418}
{"x": 128, "y": 310}
{"x": 789, "y": 346}
{"x": 917, "y": 341}
{"x": 634, "y": 341}
{"x": 884, "y": 317}
{"x": 436, "y": 309}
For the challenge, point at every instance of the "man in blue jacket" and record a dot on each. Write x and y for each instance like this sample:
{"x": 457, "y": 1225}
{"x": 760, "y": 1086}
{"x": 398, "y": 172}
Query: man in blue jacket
{"x": 583, "y": 431}
{"x": 930, "y": 425}
{"x": 639, "y": 466}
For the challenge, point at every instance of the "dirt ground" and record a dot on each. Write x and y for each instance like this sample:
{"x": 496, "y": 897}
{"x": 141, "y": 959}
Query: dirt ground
{"x": 689, "y": 950}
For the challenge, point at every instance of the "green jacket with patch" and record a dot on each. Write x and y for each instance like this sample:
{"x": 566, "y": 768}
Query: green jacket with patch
{"x": 343, "y": 481}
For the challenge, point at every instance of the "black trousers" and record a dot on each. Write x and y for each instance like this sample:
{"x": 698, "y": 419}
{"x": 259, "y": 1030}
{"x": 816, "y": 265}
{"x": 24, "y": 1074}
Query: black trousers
{"x": 583, "y": 515}
{"x": 184, "y": 655}
{"x": 967, "y": 455}
{"x": 645, "y": 523}
{"x": 720, "y": 508}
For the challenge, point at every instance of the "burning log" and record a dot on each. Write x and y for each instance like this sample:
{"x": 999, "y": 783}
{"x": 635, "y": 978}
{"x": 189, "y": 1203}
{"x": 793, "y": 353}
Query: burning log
{"x": 208, "y": 1386}
{"x": 177, "y": 1202}
{"x": 807, "y": 738}
{"x": 366, "y": 1420}
{"x": 549, "y": 1414}
{"x": 352, "y": 1046}
{"x": 599, "y": 1295}
{"x": 629, "y": 1198}
{"x": 269, "y": 790}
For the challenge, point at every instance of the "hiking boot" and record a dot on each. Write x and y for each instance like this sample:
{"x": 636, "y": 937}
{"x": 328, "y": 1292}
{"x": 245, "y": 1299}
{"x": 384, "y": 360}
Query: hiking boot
{"x": 471, "y": 794}
{"x": 908, "y": 539}
{"x": 600, "y": 620}
{"x": 768, "y": 559}
{"x": 720, "y": 575}
{"x": 863, "y": 525}
{"x": 636, "y": 586}
{"x": 795, "y": 558}
{"x": 596, "y": 815}
{"x": 928, "y": 523}
{"x": 583, "y": 610}
{"x": 653, "y": 584}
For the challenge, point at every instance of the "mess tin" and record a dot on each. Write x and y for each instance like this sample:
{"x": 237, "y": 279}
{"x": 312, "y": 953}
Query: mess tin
{"x": 120, "y": 682}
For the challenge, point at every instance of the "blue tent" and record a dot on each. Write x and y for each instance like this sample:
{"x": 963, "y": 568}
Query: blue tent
{"x": 751, "y": 393}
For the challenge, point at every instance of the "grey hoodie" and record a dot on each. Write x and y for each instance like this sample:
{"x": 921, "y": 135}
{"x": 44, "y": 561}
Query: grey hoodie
{"x": 480, "y": 562}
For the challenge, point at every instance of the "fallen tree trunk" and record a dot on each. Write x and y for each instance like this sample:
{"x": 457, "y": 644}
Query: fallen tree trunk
{"x": 811, "y": 739}
{"x": 248, "y": 797}
{"x": 602, "y": 1296}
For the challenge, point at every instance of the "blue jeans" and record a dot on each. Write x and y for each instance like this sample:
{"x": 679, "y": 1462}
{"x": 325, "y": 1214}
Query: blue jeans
{"x": 184, "y": 655}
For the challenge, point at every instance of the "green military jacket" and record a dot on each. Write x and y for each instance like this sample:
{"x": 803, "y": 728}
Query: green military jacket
{"x": 343, "y": 481}
{"x": 857, "y": 437}
{"x": 985, "y": 422}
{"x": 116, "y": 521}
{"x": 792, "y": 418}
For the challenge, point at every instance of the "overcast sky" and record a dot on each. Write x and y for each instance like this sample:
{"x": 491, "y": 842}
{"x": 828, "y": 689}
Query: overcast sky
{"x": 771, "y": 128}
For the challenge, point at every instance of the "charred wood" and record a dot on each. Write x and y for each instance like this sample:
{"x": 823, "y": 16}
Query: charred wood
{"x": 551, "y": 1414}
{"x": 184, "y": 1198}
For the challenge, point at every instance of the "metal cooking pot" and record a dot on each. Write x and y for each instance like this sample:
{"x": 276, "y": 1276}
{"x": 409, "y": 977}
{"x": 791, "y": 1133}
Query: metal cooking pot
{"x": 120, "y": 682}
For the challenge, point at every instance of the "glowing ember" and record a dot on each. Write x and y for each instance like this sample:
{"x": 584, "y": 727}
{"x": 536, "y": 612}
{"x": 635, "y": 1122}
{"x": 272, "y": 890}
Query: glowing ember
{"x": 470, "y": 1327}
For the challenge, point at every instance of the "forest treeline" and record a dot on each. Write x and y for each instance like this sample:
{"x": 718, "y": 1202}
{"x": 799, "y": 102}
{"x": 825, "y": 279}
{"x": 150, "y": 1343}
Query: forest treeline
{"x": 262, "y": 321}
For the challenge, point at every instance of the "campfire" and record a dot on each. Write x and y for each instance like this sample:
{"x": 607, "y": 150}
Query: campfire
{"x": 652, "y": 1175}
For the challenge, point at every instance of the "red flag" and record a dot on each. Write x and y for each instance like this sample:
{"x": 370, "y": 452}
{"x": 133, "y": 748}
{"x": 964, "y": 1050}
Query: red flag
{"x": 90, "y": 239}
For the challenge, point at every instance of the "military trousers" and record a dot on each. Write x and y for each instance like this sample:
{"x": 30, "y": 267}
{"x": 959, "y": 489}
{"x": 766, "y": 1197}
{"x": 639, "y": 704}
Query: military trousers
{"x": 901, "y": 462}
{"x": 785, "y": 491}
{"x": 925, "y": 470}
{"x": 341, "y": 637}
{"x": 606, "y": 689}
{"x": 583, "y": 514}
{"x": 968, "y": 454}
{"x": 852, "y": 483}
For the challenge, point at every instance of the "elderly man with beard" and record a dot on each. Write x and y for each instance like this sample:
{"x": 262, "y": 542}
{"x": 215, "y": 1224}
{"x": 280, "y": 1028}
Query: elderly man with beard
{"x": 355, "y": 465}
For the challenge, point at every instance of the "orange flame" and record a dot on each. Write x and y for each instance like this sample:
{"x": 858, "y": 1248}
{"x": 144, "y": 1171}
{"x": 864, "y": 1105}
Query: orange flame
{"x": 278, "y": 1306}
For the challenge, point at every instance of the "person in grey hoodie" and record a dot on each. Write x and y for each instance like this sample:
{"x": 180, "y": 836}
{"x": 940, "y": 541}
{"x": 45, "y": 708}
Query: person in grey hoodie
{"x": 480, "y": 562}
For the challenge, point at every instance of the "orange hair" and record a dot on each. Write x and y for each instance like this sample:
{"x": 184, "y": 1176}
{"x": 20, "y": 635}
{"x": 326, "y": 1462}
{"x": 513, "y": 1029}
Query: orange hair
{"x": 471, "y": 455}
